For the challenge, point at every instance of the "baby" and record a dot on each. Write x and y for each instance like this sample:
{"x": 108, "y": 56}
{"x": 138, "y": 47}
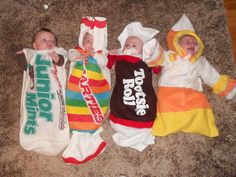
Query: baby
{"x": 44, "y": 126}
{"x": 88, "y": 91}
{"x": 133, "y": 100}
{"x": 181, "y": 104}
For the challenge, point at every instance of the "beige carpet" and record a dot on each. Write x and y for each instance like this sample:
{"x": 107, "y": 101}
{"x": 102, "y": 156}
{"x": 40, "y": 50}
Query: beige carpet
{"x": 179, "y": 155}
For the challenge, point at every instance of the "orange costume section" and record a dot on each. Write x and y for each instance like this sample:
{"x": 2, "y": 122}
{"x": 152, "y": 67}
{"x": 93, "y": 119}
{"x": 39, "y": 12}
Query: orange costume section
{"x": 183, "y": 109}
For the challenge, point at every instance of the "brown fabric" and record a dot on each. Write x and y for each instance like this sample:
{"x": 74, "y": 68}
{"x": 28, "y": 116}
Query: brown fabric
{"x": 133, "y": 97}
{"x": 180, "y": 155}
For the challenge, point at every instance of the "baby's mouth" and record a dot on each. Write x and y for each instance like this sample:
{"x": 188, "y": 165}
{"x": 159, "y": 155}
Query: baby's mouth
{"x": 191, "y": 50}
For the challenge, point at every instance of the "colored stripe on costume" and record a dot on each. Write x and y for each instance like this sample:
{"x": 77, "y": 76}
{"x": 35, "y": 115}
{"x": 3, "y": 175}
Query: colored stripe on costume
{"x": 199, "y": 121}
{"x": 130, "y": 123}
{"x": 175, "y": 99}
{"x": 83, "y": 126}
{"x": 93, "y": 83}
{"x": 82, "y": 103}
{"x": 81, "y": 110}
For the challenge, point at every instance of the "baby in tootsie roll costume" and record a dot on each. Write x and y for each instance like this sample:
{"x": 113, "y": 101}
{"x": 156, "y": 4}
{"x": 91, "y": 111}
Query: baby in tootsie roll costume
{"x": 133, "y": 100}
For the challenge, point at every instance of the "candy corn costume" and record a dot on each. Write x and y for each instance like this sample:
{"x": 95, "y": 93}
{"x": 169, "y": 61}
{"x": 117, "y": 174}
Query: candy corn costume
{"x": 44, "y": 125}
{"x": 87, "y": 94}
{"x": 133, "y": 100}
{"x": 181, "y": 103}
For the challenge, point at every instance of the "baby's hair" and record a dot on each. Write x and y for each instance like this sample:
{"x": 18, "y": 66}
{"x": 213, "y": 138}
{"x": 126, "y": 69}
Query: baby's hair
{"x": 43, "y": 30}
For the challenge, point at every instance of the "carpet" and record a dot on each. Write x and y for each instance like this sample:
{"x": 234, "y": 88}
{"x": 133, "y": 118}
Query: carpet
{"x": 179, "y": 155}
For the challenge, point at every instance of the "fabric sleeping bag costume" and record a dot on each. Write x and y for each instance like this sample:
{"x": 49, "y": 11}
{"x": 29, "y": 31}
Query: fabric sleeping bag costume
{"x": 181, "y": 104}
{"x": 88, "y": 93}
{"x": 44, "y": 125}
{"x": 133, "y": 100}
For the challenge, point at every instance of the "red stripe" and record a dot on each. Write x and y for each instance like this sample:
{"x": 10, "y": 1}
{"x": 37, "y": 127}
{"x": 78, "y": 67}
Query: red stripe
{"x": 130, "y": 123}
{"x": 92, "y": 82}
{"x": 113, "y": 58}
{"x": 75, "y": 161}
{"x": 100, "y": 24}
{"x": 87, "y": 22}
{"x": 74, "y": 80}
{"x": 96, "y": 23}
{"x": 97, "y": 83}
{"x": 79, "y": 118}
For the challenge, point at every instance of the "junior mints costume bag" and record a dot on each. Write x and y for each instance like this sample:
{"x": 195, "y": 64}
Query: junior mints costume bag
{"x": 44, "y": 126}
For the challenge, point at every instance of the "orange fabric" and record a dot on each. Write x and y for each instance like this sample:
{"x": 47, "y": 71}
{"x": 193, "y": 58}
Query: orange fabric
{"x": 230, "y": 86}
{"x": 174, "y": 99}
{"x": 75, "y": 88}
{"x": 170, "y": 38}
{"x": 83, "y": 126}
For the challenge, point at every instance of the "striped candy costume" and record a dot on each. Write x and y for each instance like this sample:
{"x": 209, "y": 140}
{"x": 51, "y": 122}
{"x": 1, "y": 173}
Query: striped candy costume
{"x": 88, "y": 93}
{"x": 87, "y": 96}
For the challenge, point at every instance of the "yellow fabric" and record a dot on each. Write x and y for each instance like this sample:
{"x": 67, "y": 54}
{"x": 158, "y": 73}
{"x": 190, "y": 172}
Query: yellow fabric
{"x": 173, "y": 38}
{"x": 90, "y": 74}
{"x": 221, "y": 84}
{"x": 85, "y": 110}
{"x": 200, "y": 121}
{"x": 172, "y": 57}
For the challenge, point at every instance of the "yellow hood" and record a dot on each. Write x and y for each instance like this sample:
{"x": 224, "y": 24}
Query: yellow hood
{"x": 181, "y": 28}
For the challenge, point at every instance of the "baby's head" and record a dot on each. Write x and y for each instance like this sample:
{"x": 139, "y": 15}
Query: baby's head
{"x": 189, "y": 44}
{"x": 133, "y": 46}
{"x": 44, "y": 39}
{"x": 88, "y": 42}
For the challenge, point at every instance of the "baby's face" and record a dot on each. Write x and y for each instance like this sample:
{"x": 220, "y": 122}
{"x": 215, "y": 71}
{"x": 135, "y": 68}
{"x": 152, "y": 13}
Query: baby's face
{"x": 134, "y": 44}
{"x": 44, "y": 41}
{"x": 189, "y": 44}
{"x": 88, "y": 42}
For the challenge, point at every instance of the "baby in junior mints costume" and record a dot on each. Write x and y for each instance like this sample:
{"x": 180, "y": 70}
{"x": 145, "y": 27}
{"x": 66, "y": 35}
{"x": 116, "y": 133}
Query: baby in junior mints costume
{"x": 181, "y": 103}
{"x": 133, "y": 100}
{"x": 88, "y": 91}
{"x": 44, "y": 126}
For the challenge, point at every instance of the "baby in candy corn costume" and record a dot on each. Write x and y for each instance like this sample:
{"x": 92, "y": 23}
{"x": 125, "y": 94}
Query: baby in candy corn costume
{"x": 88, "y": 91}
{"x": 181, "y": 104}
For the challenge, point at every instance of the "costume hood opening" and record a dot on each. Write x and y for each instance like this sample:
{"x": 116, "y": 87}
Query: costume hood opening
{"x": 145, "y": 34}
{"x": 181, "y": 28}
{"x": 96, "y": 26}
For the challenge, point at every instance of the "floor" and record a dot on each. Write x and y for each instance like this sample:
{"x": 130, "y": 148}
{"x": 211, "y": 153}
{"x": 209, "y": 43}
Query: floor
{"x": 230, "y": 6}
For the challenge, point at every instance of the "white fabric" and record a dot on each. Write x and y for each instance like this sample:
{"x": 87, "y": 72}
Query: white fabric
{"x": 136, "y": 138}
{"x": 83, "y": 145}
{"x": 151, "y": 49}
{"x": 231, "y": 94}
{"x": 101, "y": 61}
{"x": 136, "y": 29}
{"x": 183, "y": 24}
{"x": 182, "y": 73}
{"x": 44, "y": 124}
{"x": 99, "y": 34}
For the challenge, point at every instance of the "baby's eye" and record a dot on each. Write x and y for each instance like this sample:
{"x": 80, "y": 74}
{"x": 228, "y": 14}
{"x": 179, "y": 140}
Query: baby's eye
{"x": 134, "y": 46}
{"x": 44, "y": 40}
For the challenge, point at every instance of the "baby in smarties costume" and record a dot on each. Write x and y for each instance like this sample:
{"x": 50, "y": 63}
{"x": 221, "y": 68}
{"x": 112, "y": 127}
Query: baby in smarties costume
{"x": 181, "y": 104}
{"x": 133, "y": 100}
{"x": 88, "y": 91}
{"x": 44, "y": 126}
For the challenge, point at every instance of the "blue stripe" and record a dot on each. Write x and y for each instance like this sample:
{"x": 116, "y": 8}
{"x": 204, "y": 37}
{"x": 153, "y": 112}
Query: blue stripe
{"x": 84, "y": 131}
{"x": 78, "y": 96}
